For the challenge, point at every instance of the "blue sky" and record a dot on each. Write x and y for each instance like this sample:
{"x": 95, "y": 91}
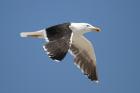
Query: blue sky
{"x": 24, "y": 68}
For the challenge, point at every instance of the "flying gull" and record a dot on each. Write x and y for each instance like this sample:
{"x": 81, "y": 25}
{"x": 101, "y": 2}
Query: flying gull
{"x": 66, "y": 37}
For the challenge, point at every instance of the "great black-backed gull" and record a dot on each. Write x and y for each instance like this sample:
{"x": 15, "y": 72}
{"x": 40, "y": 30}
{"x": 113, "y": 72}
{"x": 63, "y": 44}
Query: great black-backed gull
{"x": 66, "y": 37}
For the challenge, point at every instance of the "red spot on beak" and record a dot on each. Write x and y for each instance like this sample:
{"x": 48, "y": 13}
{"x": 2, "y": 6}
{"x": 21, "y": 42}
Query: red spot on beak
{"x": 98, "y": 29}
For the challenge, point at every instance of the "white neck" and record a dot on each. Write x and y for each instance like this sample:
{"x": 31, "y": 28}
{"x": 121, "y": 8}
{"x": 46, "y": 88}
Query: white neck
{"x": 76, "y": 31}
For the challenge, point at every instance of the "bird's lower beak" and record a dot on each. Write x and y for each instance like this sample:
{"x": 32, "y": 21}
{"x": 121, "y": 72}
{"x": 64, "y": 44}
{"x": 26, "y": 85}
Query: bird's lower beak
{"x": 97, "y": 29}
{"x": 37, "y": 34}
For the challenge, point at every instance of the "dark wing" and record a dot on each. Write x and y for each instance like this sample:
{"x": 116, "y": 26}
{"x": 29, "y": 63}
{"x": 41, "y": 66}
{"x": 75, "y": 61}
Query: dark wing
{"x": 58, "y": 31}
{"x": 59, "y": 41}
{"x": 57, "y": 49}
{"x": 84, "y": 59}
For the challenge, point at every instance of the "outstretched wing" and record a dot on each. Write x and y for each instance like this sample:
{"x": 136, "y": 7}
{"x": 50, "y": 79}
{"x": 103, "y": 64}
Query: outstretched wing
{"x": 84, "y": 57}
{"x": 59, "y": 41}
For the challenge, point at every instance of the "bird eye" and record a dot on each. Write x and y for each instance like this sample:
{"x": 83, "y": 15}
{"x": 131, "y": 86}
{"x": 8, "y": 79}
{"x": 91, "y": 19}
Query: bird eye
{"x": 88, "y": 25}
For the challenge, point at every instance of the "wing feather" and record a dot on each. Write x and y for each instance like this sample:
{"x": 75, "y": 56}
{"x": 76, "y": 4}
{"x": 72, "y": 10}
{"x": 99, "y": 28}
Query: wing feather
{"x": 57, "y": 49}
{"x": 59, "y": 37}
{"x": 84, "y": 58}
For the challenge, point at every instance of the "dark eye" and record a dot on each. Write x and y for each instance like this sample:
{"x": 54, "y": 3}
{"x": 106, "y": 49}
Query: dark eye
{"x": 88, "y": 25}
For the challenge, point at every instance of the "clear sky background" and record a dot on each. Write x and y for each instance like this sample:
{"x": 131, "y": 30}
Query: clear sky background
{"x": 24, "y": 67}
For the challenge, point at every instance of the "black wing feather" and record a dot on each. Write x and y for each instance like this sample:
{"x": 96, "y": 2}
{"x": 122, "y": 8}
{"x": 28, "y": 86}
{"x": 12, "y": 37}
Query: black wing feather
{"x": 57, "y": 49}
{"x": 59, "y": 41}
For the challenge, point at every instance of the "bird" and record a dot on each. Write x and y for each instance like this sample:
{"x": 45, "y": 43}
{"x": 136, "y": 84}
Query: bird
{"x": 69, "y": 37}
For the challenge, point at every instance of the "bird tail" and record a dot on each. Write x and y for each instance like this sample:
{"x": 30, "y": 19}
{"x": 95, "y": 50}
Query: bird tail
{"x": 24, "y": 34}
{"x": 36, "y": 34}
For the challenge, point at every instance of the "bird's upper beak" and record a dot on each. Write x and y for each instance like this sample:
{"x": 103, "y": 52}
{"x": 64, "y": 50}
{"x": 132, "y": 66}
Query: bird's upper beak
{"x": 97, "y": 29}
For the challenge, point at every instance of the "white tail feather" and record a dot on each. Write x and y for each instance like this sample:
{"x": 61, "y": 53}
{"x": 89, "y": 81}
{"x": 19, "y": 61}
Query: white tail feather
{"x": 23, "y": 34}
{"x": 36, "y": 34}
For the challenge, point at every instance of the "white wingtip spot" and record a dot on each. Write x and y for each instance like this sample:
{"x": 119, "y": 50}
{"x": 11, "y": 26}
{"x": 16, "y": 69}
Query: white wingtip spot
{"x": 75, "y": 64}
{"x": 47, "y": 40}
{"x": 78, "y": 66}
{"x": 48, "y": 53}
{"x": 56, "y": 60}
{"x": 44, "y": 48}
{"x": 82, "y": 70}
{"x": 97, "y": 81}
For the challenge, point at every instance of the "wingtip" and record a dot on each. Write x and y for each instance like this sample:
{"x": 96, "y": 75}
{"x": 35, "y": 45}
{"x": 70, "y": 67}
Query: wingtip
{"x": 97, "y": 81}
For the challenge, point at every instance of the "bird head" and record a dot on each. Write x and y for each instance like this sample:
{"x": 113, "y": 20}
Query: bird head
{"x": 84, "y": 27}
